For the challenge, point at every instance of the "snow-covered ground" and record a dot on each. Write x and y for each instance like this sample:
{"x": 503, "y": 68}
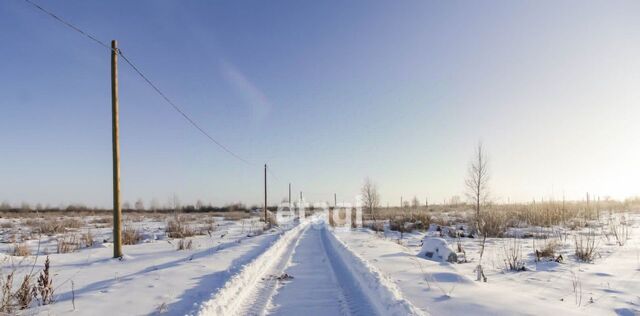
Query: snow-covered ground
{"x": 310, "y": 268}
{"x": 153, "y": 277}
{"x": 608, "y": 286}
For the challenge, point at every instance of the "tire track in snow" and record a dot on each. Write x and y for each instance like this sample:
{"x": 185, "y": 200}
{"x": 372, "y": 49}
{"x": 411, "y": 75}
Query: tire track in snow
{"x": 322, "y": 285}
{"x": 245, "y": 287}
{"x": 257, "y": 302}
{"x": 357, "y": 302}
{"x": 329, "y": 279}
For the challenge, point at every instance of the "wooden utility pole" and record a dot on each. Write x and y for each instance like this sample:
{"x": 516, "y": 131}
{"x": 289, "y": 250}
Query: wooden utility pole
{"x": 117, "y": 211}
{"x": 335, "y": 200}
{"x": 289, "y": 194}
{"x": 265, "y": 194}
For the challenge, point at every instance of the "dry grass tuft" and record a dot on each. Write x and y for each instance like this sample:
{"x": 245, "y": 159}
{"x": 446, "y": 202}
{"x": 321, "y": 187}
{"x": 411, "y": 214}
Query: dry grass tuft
{"x": 24, "y": 295}
{"x": 185, "y": 244}
{"x": 548, "y": 250}
{"x": 72, "y": 223}
{"x": 586, "y": 247}
{"x": 178, "y": 228}
{"x": 131, "y": 236}
{"x": 43, "y": 290}
{"x": 235, "y": 215}
{"x": 493, "y": 223}
{"x": 87, "y": 239}
{"x": 67, "y": 244}
{"x": 21, "y": 250}
{"x": 6, "y": 296}
{"x": 12, "y": 302}
{"x": 513, "y": 255}
{"x": 102, "y": 220}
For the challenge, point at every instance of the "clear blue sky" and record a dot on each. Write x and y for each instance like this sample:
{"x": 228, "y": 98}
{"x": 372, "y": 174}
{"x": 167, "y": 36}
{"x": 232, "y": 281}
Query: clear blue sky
{"x": 326, "y": 92}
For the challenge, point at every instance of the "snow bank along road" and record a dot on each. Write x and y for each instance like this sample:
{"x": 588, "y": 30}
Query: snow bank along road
{"x": 327, "y": 279}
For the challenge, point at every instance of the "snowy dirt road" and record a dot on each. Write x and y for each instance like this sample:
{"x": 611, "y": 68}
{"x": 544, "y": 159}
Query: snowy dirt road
{"x": 325, "y": 279}
{"x": 322, "y": 283}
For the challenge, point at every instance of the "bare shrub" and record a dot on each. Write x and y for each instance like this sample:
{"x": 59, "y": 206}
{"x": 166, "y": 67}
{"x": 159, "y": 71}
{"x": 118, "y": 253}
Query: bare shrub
{"x": 20, "y": 299}
{"x": 87, "y": 239}
{"x": 102, "y": 220}
{"x": 32, "y": 222}
{"x": 399, "y": 224}
{"x": 576, "y": 283}
{"x": 548, "y": 250}
{"x": 586, "y": 247}
{"x": 72, "y": 223}
{"x": 6, "y": 225}
{"x": 235, "y": 215}
{"x": 620, "y": 230}
{"x": 185, "y": 244}
{"x": 177, "y": 228}
{"x": 513, "y": 255}
{"x": 21, "y": 250}
{"x": 375, "y": 226}
{"x": 421, "y": 220}
{"x": 67, "y": 244}
{"x": 492, "y": 223}
{"x": 130, "y": 236}
{"x": 50, "y": 227}
{"x": 136, "y": 218}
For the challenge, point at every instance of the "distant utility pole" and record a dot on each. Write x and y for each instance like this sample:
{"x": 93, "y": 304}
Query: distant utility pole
{"x": 335, "y": 200}
{"x": 117, "y": 211}
{"x": 289, "y": 194}
{"x": 401, "y": 201}
{"x": 265, "y": 193}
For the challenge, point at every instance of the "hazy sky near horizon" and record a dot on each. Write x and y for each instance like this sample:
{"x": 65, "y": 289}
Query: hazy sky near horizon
{"x": 326, "y": 92}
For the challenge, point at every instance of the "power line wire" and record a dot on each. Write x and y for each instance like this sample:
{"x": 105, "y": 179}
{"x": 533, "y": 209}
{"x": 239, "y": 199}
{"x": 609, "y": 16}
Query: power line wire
{"x": 145, "y": 78}
{"x": 73, "y": 27}
{"x": 179, "y": 110}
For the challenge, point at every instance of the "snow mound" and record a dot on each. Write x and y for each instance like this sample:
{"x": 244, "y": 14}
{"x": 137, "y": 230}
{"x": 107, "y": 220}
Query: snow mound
{"x": 437, "y": 249}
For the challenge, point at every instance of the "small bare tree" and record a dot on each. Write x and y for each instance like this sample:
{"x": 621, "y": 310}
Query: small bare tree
{"x": 139, "y": 205}
{"x": 370, "y": 197}
{"x": 477, "y": 183}
{"x": 415, "y": 203}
